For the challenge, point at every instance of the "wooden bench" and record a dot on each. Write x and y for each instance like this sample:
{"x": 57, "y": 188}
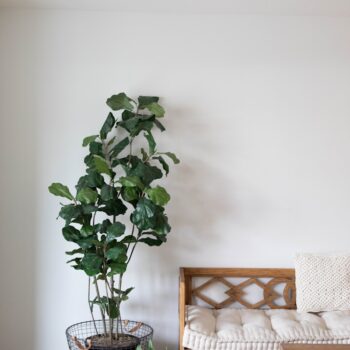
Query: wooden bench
{"x": 266, "y": 279}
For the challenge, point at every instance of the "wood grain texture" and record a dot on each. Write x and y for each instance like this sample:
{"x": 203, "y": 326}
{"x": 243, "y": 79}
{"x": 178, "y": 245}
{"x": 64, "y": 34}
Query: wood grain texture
{"x": 236, "y": 292}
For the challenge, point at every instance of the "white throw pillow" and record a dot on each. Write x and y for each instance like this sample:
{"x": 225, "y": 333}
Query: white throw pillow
{"x": 322, "y": 282}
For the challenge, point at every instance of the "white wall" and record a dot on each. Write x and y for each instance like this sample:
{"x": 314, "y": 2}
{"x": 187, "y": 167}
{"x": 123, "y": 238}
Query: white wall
{"x": 258, "y": 112}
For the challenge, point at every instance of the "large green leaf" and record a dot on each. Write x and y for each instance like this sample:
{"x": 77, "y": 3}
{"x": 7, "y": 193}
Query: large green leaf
{"x": 158, "y": 195}
{"x": 114, "y": 207}
{"x": 115, "y": 252}
{"x": 161, "y": 225}
{"x": 89, "y": 242}
{"x": 60, "y": 190}
{"x": 70, "y": 233}
{"x": 70, "y": 212}
{"x": 116, "y": 268}
{"x": 130, "y": 194}
{"x": 91, "y": 264}
{"x": 156, "y": 109}
{"x": 92, "y": 179}
{"x": 86, "y": 231}
{"x": 119, "y": 147}
{"x": 146, "y": 172}
{"x": 151, "y": 143}
{"x": 96, "y": 148}
{"x": 115, "y": 230}
{"x": 87, "y": 196}
{"x": 120, "y": 101}
{"x": 108, "y": 193}
{"x": 107, "y": 126}
{"x": 131, "y": 181}
{"x": 101, "y": 165}
{"x": 89, "y": 139}
{"x": 144, "y": 215}
{"x": 146, "y": 100}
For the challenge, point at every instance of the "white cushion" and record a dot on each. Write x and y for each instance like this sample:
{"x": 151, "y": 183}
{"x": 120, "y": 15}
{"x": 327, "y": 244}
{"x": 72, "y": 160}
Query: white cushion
{"x": 322, "y": 282}
{"x": 232, "y": 328}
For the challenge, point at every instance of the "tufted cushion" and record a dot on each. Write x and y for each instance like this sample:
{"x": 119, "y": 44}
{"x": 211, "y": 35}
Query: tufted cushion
{"x": 216, "y": 329}
{"x": 322, "y": 282}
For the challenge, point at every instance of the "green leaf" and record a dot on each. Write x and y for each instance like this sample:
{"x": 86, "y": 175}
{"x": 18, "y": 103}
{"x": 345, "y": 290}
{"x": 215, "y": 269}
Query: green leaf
{"x": 70, "y": 233}
{"x": 151, "y": 142}
{"x": 151, "y": 242}
{"x": 70, "y": 212}
{"x": 145, "y": 172}
{"x": 87, "y": 196}
{"x": 101, "y": 165}
{"x": 89, "y": 242}
{"x": 119, "y": 147}
{"x": 158, "y": 195}
{"x": 116, "y": 268}
{"x": 75, "y": 251}
{"x": 130, "y": 194}
{"x": 93, "y": 179}
{"x": 91, "y": 264}
{"x": 131, "y": 181}
{"x": 146, "y": 100}
{"x": 112, "y": 310}
{"x": 164, "y": 164}
{"x": 172, "y": 156}
{"x": 144, "y": 215}
{"x": 107, "y": 126}
{"x": 115, "y": 230}
{"x": 96, "y": 148}
{"x": 60, "y": 190}
{"x": 108, "y": 193}
{"x": 115, "y": 252}
{"x": 120, "y": 101}
{"x": 88, "y": 209}
{"x": 114, "y": 207}
{"x": 161, "y": 226}
{"x": 86, "y": 231}
{"x": 129, "y": 239}
{"x": 89, "y": 139}
{"x": 136, "y": 124}
{"x": 156, "y": 109}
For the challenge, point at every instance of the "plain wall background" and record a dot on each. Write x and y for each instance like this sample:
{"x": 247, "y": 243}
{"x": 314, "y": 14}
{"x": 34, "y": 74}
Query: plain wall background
{"x": 258, "y": 112}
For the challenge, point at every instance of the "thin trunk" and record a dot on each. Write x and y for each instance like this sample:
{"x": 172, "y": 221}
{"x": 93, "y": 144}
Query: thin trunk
{"x": 109, "y": 311}
{"x": 90, "y": 305}
{"x": 102, "y": 313}
{"x": 119, "y": 319}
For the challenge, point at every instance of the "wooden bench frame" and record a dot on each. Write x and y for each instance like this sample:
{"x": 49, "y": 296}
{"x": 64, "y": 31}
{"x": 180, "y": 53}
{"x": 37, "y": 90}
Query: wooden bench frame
{"x": 235, "y": 291}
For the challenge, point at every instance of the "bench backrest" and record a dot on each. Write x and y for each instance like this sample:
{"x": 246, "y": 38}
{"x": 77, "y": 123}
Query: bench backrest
{"x": 277, "y": 285}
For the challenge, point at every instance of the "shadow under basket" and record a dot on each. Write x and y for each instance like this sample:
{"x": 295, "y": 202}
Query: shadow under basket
{"x": 79, "y": 334}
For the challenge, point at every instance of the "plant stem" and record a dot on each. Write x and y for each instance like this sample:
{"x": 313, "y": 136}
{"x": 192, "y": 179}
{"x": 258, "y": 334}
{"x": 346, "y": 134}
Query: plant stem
{"x": 109, "y": 311}
{"x": 102, "y": 313}
{"x": 90, "y": 305}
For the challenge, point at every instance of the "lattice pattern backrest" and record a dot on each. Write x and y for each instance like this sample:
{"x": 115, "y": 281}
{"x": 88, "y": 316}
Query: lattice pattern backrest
{"x": 275, "y": 285}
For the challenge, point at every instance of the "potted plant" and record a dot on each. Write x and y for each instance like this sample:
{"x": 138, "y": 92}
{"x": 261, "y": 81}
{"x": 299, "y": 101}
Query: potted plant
{"x": 117, "y": 206}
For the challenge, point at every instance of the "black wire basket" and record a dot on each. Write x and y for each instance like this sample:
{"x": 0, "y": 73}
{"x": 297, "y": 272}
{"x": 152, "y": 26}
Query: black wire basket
{"x": 80, "y": 333}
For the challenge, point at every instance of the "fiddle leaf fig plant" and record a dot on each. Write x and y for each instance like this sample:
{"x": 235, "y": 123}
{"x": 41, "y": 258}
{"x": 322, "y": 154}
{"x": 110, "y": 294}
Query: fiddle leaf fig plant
{"x": 117, "y": 204}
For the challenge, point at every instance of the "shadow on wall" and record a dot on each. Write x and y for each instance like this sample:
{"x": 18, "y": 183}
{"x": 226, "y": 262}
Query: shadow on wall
{"x": 197, "y": 205}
